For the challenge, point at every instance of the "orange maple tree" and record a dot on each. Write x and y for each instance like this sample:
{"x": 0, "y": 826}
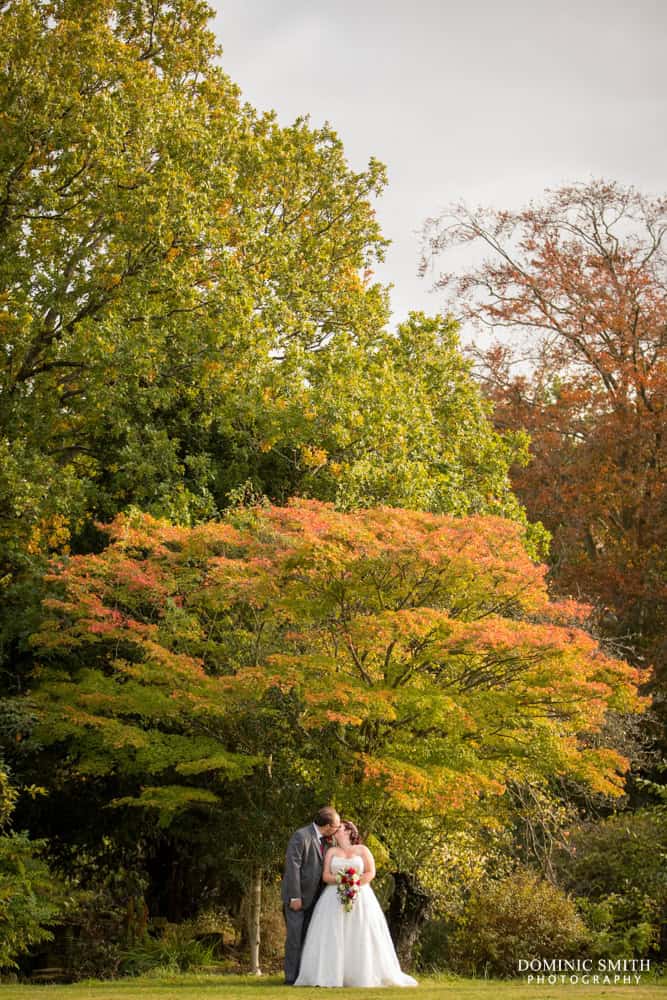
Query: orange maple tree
{"x": 415, "y": 659}
{"x": 577, "y": 286}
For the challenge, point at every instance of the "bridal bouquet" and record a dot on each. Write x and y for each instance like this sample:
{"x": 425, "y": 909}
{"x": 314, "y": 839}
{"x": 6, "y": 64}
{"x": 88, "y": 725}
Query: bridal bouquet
{"x": 348, "y": 885}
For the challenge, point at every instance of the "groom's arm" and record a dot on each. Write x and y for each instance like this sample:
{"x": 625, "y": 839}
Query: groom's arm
{"x": 293, "y": 862}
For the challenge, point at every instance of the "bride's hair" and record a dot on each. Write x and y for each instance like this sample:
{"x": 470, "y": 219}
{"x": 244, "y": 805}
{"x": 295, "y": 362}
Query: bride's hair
{"x": 352, "y": 830}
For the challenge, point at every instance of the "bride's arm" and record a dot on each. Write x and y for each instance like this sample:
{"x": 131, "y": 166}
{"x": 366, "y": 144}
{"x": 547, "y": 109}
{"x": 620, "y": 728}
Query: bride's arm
{"x": 326, "y": 867}
{"x": 369, "y": 867}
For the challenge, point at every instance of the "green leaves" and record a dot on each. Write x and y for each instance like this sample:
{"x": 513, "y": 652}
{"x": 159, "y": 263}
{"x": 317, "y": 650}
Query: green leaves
{"x": 187, "y": 301}
{"x": 188, "y": 312}
{"x": 31, "y": 897}
{"x": 159, "y": 242}
{"x": 168, "y": 800}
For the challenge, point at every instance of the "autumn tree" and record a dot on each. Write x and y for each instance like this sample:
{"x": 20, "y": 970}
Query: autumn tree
{"x": 395, "y": 662}
{"x": 577, "y": 287}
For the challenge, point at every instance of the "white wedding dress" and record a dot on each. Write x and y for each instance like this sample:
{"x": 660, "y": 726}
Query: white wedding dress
{"x": 349, "y": 949}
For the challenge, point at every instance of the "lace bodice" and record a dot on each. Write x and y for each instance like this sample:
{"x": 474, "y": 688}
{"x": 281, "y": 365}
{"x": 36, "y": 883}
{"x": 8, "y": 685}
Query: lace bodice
{"x": 356, "y": 862}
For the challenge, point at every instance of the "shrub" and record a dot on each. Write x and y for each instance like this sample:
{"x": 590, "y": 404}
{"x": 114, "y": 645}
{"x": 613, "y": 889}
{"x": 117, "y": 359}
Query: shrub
{"x": 31, "y": 897}
{"x": 617, "y": 867}
{"x": 519, "y": 917}
{"x": 613, "y": 854}
{"x": 176, "y": 949}
{"x": 434, "y": 943}
{"x": 107, "y": 920}
{"x": 621, "y": 926}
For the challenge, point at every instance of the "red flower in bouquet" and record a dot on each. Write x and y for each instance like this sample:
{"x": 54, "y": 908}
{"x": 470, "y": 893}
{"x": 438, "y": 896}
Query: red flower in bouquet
{"x": 347, "y": 887}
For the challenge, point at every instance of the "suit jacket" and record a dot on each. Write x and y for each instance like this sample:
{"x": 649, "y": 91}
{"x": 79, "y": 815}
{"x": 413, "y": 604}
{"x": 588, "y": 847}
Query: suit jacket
{"x": 302, "y": 878}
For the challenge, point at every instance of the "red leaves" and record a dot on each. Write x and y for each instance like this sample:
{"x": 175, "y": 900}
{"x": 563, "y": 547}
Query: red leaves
{"x": 581, "y": 278}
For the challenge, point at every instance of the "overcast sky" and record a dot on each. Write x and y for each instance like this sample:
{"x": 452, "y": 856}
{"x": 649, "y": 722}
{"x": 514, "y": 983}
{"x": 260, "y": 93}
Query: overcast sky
{"x": 490, "y": 101}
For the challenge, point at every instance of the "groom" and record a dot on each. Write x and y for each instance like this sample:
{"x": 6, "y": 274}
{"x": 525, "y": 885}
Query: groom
{"x": 302, "y": 882}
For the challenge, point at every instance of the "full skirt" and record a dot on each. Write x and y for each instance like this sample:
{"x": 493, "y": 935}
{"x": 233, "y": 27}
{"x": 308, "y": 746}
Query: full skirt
{"x": 349, "y": 948}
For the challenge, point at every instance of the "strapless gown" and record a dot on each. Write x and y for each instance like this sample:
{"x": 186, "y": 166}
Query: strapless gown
{"x": 349, "y": 949}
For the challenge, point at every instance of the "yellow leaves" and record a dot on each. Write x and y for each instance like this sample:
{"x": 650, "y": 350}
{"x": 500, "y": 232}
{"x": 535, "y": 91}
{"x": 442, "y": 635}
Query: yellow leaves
{"x": 602, "y": 769}
{"x": 49, "y": 533}
{"x": 313, "y": 457}
{"x": 34, "y": 791}
{"x": 270, "y": 398}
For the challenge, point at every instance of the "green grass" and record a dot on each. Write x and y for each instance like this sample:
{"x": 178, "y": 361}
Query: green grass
{"x": 192, "y": 987}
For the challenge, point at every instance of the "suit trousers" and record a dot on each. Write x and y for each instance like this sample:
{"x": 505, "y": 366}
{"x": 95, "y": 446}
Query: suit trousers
{"x": 296, "y": 922}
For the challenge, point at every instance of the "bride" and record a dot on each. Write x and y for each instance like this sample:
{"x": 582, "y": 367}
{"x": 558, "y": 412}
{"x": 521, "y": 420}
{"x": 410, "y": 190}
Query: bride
{"x": 349, "y": 948}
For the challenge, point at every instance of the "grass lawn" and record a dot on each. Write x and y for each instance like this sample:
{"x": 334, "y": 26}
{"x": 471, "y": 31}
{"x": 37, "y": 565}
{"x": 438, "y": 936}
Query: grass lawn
{"x": 271, "y": 988}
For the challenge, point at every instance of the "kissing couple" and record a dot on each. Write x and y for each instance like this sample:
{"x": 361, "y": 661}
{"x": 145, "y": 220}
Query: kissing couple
{"x": 337, "y": 934}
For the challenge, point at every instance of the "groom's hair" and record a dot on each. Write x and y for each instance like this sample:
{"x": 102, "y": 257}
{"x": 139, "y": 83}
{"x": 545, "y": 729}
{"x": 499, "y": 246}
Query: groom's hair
{"x": 325, "y": 816}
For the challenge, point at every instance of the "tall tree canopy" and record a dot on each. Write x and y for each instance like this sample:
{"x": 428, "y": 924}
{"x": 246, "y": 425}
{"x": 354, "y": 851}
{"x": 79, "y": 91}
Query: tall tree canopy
{"x": 187, "y": 308}
{"x": 582, "y": 280}
{"x": 159, "y": 241}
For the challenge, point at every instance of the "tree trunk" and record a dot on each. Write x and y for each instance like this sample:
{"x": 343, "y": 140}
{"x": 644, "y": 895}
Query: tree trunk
{"x": 407, "y": 913}
{"x": 254, "y": 915}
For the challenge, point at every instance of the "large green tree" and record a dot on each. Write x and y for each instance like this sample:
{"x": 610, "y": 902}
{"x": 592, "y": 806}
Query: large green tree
{"x": 187, "y": 304}
{"x": 158, "y": 240}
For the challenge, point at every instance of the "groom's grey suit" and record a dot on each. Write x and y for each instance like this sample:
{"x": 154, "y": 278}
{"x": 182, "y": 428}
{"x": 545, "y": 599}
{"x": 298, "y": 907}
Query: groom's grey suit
{"x": 302, "y": 880}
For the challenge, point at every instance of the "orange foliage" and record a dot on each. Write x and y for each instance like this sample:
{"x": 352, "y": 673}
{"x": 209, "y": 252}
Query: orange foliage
{"x": 420, "y": 653}
{"x": 579, "y": 285}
